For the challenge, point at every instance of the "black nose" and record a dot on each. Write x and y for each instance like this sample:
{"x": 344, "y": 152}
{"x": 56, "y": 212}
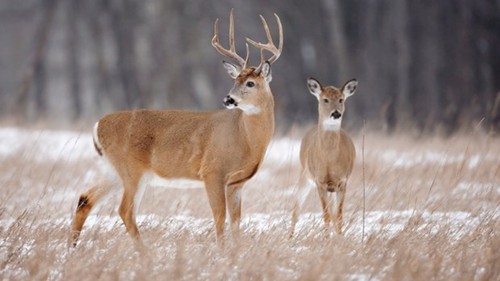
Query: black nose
{"x": 228, "y": 100}
{"x": 336, "y": 114}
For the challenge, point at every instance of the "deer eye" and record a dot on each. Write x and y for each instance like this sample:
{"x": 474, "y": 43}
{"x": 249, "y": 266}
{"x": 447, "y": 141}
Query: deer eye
{"x": 250, "y": 84}
{"x": 341, "y": 100}
{"x": 326, "y": 100}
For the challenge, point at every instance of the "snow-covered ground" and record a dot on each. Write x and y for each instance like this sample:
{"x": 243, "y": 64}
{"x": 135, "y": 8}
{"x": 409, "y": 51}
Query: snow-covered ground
{"x": 429, "y": 207}
{"x": 457, "y": 223}
{"x": 71, "y": 147}
{"x": 49, "y": 145}
{"x": 45, "y": 145}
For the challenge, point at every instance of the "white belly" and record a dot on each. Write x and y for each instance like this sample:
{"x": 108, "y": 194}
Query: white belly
{"x": 181, "y": 183}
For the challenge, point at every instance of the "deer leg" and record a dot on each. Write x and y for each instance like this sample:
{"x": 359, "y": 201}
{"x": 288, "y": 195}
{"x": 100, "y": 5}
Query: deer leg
{"x": 325, "y": 198}
{"x": 234, "y": 206}
{"x": 303, "y": 189}
{"x": 85, "y": 204}
{"x": 217, "y": 199}
{"x": 134, "y": 187}
{"x": 340, "y": 196}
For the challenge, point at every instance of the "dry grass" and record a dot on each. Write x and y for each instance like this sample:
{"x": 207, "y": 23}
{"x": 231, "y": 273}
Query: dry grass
{"x": 432, "y": 212}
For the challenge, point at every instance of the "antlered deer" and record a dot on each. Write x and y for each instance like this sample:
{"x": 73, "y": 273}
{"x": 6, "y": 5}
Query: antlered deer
{"x": 326, "y": 153}
{"x": 224, "y": 148}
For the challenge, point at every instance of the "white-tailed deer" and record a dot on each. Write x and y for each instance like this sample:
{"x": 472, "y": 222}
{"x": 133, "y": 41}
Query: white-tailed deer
{"x": 224, "y": 148}
{"x": 326, "y": 154}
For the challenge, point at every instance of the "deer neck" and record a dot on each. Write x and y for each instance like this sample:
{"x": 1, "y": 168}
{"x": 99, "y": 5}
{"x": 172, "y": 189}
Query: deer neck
{"x": 328, "y": 139}
{"x": 258, "y": 128}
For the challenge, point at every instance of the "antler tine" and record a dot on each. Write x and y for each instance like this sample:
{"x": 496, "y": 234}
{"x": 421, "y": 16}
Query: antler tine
{"x": 231, "y": 52}
{"x": 231, "y": 40}
{"x": 280, "y": 30}
{"x": 248, "y": 54}
{"x": 269, "y": 46}
{"x": 231, "y": 32}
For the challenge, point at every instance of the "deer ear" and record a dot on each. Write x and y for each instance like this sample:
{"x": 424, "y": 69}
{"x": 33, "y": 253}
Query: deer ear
{"x": 231, "y": 69}
{"x": 314, "y": 87}
{"x": 266, "y": 72}
{"x": 349, "y": 88}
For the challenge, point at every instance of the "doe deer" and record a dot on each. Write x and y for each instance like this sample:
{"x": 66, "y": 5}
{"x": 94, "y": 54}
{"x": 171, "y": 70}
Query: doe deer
{"x": 223, "y": 148}
{"x": 326, "y": 154}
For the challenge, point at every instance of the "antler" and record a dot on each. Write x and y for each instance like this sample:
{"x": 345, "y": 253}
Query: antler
{"x": 269, "y": 46}
{"x": 231, "y": 52}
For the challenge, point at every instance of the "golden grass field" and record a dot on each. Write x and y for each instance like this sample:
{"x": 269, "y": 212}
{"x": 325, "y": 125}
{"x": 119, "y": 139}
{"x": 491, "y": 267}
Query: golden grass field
{"x": 431, "y": 212}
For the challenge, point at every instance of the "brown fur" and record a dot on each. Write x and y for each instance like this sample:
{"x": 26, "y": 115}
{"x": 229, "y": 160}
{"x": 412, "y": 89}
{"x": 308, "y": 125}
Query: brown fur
{"x": 327, "y": 157}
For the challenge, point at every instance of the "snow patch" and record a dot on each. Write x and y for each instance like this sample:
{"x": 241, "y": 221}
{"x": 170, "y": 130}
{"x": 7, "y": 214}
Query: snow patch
{"x": 412, "y": 158}
{"x": 45, "y": 145}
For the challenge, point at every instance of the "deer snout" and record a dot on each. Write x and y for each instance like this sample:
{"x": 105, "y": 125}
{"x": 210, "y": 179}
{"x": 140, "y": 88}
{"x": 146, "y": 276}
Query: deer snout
{"x": 336, "y": 114}
{"x": 229, "y": 102}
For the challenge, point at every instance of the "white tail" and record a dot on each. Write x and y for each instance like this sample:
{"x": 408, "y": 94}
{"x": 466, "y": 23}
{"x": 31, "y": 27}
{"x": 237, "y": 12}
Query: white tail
{"x": 221, "y": 148}
{"x": 326, "y": 154}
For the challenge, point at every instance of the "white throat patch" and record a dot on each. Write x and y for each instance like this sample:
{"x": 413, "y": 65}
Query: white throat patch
{"x": 332, "y": 124}
{"x": 249, "y": 108}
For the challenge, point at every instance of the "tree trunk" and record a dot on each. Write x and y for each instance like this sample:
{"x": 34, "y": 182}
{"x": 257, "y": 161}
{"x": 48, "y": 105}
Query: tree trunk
{"x": 123, "y": 29}
{"x": 338, "y": 37}
{"x": 73, "y": 54}
{"x": 35, "y": 72}
{"x": 403, "y": 109}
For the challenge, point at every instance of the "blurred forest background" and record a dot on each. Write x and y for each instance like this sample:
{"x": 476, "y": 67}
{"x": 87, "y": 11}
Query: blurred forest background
{"x": 431, "y": 66}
